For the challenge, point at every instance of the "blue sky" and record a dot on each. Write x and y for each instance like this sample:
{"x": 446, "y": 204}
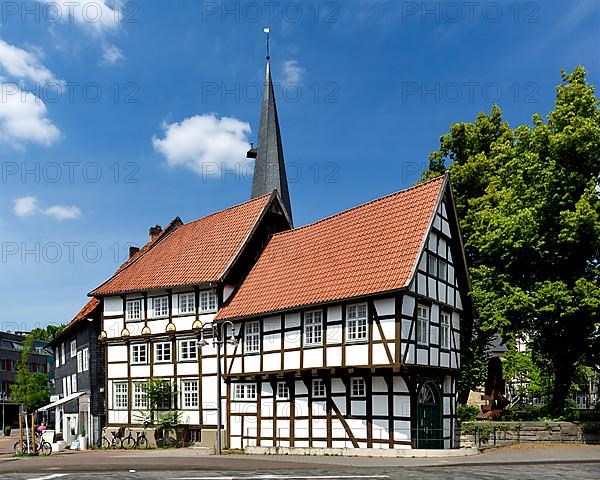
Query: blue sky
{"x": 116, "y": 117}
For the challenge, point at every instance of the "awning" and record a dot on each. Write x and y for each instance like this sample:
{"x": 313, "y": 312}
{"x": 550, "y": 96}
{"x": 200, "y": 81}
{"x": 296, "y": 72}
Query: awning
{"x": 66, "y": 399}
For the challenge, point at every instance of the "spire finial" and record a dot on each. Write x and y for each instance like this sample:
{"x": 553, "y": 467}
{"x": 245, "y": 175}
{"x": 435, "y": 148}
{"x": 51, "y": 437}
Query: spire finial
{"x": 267, "y": 30}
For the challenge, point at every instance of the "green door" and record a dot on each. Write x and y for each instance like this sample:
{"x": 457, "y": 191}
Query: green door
{"x": 429, "y": 417}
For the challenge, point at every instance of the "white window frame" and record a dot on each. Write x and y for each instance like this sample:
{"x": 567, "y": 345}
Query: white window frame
{"x": 79, "y": 361}
{"x": 208, "y": 301}
{"x": 133, "y": 310}
{"x": 163, "y": 352}
{"x": 73, "y": 348}
{"x": 357, "y": 324}
{"x": 422, "y": 327}
{"x": 358, "y": 387}
{"x": 139, "y": 347}
{"x": 63, "y": 349}
{"x": 283, "y": 391}
{"x": 189, "y": 301}
{"x": 445, "y": 326}
{"x": 244, "y": 392}
{"x": 74, "y": 383}
{"x": 313, "y": 328}
{"x": 188, "y": 350}
{"x": 160, "y": 307}
{"x": 319, "y": 390}
{"x": 432, "y": 264}
{"x": 120, "y": 395}
{"x": 139, "y": 399}
{"x": 190, "y": 394}
{"x": 64, "y": 386}
{"x": 86, "y": 359}
{"x": 252, "y": 337}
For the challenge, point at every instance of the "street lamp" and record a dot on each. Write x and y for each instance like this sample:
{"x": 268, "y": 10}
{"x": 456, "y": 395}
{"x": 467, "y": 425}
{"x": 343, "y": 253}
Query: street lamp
{"x": 3, "y": 398}
{"x": 218, "y": 334}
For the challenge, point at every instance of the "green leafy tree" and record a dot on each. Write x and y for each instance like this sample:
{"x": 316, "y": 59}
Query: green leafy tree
{"x": 30, "y": 389}
{"x": 48, "y": 333}
{"x": 530, "y": 213}
{"x": 159, "y": 394}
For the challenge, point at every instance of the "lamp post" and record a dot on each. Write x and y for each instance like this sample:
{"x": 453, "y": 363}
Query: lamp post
{"x": 3, "y": 398}
{"x": 218, "y": 333}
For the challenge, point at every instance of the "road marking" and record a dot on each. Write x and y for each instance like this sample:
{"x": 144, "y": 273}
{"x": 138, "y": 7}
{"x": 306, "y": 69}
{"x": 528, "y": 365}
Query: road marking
{"x": 286, "y": 477}
{"x": 50, "y": 477}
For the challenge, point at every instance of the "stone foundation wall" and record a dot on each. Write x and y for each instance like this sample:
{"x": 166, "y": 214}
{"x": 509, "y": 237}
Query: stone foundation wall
{"x": 489, "y": 434}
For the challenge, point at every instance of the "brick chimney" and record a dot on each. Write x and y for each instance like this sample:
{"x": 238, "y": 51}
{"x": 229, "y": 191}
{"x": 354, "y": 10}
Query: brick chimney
{"x": 133, "y": 250}
{"x": 154, "y": 232}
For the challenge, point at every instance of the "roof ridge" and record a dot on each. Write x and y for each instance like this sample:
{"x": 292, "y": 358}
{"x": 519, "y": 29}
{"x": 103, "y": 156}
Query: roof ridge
{"x": 376, "y": 200}
{"x": 228, "y": 208}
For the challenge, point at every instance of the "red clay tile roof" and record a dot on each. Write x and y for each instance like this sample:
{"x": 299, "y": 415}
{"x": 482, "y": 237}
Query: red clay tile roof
{"x": 197, "y": 252}
{"x": 368, "y": 249}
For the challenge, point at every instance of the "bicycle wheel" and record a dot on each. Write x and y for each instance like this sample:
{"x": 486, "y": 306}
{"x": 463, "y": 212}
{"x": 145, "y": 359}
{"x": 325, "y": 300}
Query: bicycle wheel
{"x": 128, "y": 443}
{"x": 19, "y": 447}
{"x": 45, "y": 448}
{"x": 142, "y": 443}
{"x": 105, "y": 443}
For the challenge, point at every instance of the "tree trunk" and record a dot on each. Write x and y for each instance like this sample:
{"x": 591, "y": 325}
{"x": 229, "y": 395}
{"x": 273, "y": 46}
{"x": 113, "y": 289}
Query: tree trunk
{"x": 564, "y": 371}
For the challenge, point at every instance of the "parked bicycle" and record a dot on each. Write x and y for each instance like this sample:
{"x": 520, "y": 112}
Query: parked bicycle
{"x": 40, "y": 446}
{"x": 140, "y": 440}
{"x": 115, "y": 441}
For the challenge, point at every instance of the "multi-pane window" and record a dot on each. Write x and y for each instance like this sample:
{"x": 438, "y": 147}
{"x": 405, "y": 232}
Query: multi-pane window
{"x": 244, "y": 391}
{"x": 432, "y": 265}
{"x": 187, "y": 303}
{"x": 356, "y": 322}
{"x": 252, "y": 337}
{"x": 133, "y": 310}
{"x": 73, "y": 348}
{"x": 442, "y": 269}
{"x": 120, "y": 394}
{"x": 313, "y": 328}
{"x": 80, "y": 361}
{"x": 162, "y": 352}
{"x": 283, "y": 391}
{"x": 422, "y": 324}
{"x": 74, "y": 383}
{"x": 62, "y": 354}
{"x": 160, "y": 307}
{"x": 444, "y": 330}
{"x": 140, "y": 400}
{"x": 188, "y": 350}
{"x": 208, "y": 301}
{"x": 189, "y": 394}
{"x": 86, "y": 359}
{"x": 358, "y": 387}
{"x": 318, "y": 388}
{"x": 139, "y": 354}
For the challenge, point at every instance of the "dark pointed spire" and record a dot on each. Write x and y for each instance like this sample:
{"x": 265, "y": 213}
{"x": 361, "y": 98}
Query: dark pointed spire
{"x": 269, "y": 169}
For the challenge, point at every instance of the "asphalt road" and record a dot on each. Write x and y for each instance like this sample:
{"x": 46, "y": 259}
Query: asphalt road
{"x": 581, "y": 471}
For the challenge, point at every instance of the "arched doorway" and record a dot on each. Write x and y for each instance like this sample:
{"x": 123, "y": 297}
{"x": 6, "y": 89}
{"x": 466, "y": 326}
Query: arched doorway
{"x": 429, "y": 417}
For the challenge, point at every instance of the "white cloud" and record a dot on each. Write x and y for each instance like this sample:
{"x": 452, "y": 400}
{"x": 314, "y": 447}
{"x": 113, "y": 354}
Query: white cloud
{"x": 111, "y": 54}
{"x": 61, "y": 212}
{"x": 292, "y": 72}
{"x": 25, "y": 206}
{"x": 96, "y": 16}
{"x": 28, "y": 206}
{"x": 203, "y": 140}
{"x": 23, "y": 118}
{"x": 22, "y": 64}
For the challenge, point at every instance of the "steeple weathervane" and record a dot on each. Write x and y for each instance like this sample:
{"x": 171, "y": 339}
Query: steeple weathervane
{"x": 269, "y": 167}
{"x": 267, "y": 30}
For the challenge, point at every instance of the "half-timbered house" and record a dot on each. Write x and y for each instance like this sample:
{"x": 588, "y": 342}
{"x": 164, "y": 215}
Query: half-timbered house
{"x": 349, "y": 329}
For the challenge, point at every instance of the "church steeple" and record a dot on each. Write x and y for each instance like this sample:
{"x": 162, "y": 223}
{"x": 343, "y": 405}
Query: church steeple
{"x": 269, "y": 169}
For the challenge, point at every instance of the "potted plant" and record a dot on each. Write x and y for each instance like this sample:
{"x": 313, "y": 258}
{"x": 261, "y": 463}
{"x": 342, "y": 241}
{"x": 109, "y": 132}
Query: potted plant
{"x": 82, "y": 439}
{"x": 7, "y": 430}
